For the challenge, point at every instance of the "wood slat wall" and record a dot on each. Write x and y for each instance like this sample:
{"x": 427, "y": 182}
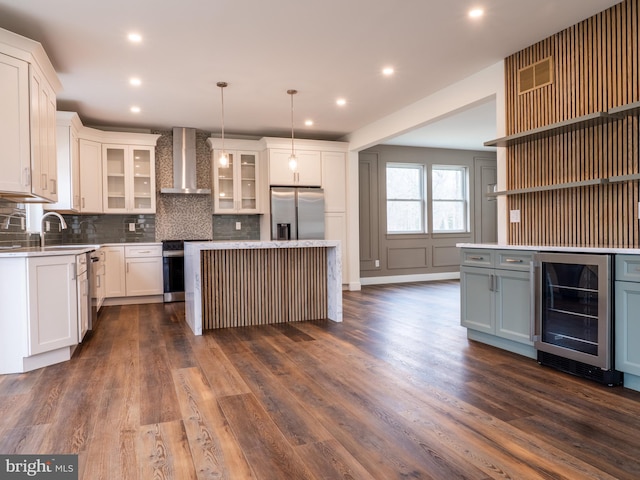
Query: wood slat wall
{"x": 596, "y": 68}
{"x": 263, "y": 286}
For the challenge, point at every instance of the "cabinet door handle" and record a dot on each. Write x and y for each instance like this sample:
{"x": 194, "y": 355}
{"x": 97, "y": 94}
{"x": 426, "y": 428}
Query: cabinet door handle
{"x": 513, "y": 260}
{"x": 476, "y": 258}
{"x": 27, "y": 176}
{"x": 43, "y": 180}
{"x": 533, "y": 278}
{"x": 144, "y": 251}
{"x": 54, "y": 186}
{"x": 127, "y": 267}
{"x": 491, "y": 283}
{"x": 495, "y": 283}
{"x": 83, "y": 203}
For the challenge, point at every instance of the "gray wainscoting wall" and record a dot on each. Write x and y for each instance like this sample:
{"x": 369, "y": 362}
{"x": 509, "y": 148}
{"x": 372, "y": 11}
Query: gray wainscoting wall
{"x": 417, "y": 254}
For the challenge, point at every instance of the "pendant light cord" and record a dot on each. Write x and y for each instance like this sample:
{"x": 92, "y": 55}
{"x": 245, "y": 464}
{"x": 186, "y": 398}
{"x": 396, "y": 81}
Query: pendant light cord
{"x": 292, "y": 93}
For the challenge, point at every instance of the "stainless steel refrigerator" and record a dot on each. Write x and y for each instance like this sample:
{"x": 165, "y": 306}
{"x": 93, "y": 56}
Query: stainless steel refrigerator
{"x": 297, "y": 213}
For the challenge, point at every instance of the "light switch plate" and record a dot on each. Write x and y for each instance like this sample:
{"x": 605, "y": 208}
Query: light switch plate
{"x": 238, "y": 225}
{"x": 514, "y": 216}
{"x": 132, "y": 227}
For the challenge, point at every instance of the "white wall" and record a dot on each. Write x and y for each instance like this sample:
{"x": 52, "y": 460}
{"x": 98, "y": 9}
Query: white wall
{"x": 458, "y": 96}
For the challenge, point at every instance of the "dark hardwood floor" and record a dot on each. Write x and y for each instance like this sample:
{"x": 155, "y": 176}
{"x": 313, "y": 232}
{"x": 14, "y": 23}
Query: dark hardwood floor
{"x": 396, "y": 391}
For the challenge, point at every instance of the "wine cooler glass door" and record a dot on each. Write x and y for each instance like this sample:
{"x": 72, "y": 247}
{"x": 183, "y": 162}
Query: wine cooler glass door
{"x": 574, "y": 313}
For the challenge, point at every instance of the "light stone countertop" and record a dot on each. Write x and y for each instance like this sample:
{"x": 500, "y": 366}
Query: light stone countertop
{"x": 547, "y": 248}
{"x": 253, "y": 244}
{"x": 53, "y": 250}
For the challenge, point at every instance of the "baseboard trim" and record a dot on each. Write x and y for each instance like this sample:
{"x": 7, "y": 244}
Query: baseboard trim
{"x": 421, "y": 277}
{"x": 133, "y": 300}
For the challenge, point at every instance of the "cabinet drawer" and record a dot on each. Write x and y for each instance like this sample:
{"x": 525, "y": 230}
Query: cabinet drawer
{"x": 628, "y": 268}
{"x": 143, "y": 251}
{"x": 478, "y": 258}
{"x": 514, "y": 260}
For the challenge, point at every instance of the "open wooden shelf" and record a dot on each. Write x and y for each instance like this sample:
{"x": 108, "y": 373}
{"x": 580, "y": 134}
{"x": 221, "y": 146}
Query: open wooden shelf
{"x": 566, "y": 125}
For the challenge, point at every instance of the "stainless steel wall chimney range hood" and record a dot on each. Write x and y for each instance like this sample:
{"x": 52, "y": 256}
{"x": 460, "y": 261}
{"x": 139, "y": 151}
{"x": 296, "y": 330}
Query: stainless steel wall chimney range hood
{"x": 184, "y": 163}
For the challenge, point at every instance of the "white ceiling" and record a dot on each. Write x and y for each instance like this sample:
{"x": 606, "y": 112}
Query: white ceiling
{"x": 325, "y": 49}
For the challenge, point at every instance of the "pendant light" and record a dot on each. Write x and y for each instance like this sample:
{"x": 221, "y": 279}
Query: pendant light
{"x": 293, "y": 160}
{"x": 223, "y": 160}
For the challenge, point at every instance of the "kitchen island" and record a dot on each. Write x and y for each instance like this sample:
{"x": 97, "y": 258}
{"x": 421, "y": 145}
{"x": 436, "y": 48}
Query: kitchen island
{"x": 233, "y": 284}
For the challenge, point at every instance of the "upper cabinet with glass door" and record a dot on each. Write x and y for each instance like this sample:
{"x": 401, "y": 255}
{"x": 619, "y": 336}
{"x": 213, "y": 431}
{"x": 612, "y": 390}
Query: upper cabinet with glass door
{"x": 129, "y": 178}
{"x": 236, "y": 186}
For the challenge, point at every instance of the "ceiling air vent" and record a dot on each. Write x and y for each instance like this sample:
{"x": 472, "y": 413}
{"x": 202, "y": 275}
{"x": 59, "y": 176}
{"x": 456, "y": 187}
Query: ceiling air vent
{"x": 535, "y": 76}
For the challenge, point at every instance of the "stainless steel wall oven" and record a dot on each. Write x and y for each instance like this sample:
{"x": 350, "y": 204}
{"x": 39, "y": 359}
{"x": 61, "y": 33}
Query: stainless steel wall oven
{"x": 573, "y": 318}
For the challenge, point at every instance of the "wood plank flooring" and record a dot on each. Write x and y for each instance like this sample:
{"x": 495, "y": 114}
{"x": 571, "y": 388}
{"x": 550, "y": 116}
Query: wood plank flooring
{"x": 396, "y": 391}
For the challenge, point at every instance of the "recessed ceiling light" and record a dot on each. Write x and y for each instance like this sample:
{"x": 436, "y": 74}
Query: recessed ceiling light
{"x": 136, "y": 82}
{"x": 341, "y": 102}
{"x": 135, "y": 109}
{"x": 308, "y": 123}
{"x": 476, "y": 13}
{"x": 134, "y": 37}
{"x": 387, "y": 71}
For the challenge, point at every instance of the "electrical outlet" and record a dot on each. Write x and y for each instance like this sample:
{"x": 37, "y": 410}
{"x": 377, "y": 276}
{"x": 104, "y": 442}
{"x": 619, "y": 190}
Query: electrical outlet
{"x": 238, "y": 225}
{"x": 47, "y": 225}
{"x": 377, "y": 263}
{"x": 514, "y": 216}
{"x": 132, "y": 227}
{"x": 22, "y": 223}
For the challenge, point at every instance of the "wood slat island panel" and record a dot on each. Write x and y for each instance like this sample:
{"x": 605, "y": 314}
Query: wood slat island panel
{"x": 259, "y": 287}
{"x": 236, "y": 284}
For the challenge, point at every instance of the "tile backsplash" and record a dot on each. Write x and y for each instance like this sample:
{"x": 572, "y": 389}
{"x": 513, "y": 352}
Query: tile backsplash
{"x": 13, "y": 225}
{"x": 106, "y": 229}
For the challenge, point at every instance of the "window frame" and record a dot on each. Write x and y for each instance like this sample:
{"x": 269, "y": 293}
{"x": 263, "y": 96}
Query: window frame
{"x": 423, "y": 198}
{"x": 464, "y": 200}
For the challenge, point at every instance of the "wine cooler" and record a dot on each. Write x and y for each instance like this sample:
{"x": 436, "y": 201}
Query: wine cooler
{"x": 573, "y": 317}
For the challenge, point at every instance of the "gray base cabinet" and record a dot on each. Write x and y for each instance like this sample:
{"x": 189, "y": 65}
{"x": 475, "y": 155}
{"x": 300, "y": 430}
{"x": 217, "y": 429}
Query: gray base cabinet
{"x": 627, "y": 319}
{"x": 495, "y": 288}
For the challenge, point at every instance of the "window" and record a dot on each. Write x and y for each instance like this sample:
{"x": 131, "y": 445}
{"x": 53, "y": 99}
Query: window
{"x": 449, "y": 199}
{"x": 405, "y": 198}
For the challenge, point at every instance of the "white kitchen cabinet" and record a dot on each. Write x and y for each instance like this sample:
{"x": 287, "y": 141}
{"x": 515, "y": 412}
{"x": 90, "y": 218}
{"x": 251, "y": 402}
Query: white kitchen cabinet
{"x": 114, "y": 281}
{"x": 52, "y": 305}
{"x": 38, "y": 311}
{"x": 44, "y": 169}
{"x": 495, "y": 294}
{"x": 334, "y": 181}
{"x": 308, "y": 172}
{"x": 79, "y": 167}
{"x": 90, "y": 176}
{"x": 143, "y": 270}
{"x": 68, "y": 159}
{"x": 236, "y": 187}
{"x": 129, "y": 179}
{"x": 133, "y": 270}
{"x": 15, "y": 160}
{"x": 28, "y": 86}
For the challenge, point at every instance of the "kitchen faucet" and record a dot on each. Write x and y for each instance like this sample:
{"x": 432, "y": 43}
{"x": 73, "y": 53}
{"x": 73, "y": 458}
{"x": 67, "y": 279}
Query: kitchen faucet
{"x": 63, "y": 225}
